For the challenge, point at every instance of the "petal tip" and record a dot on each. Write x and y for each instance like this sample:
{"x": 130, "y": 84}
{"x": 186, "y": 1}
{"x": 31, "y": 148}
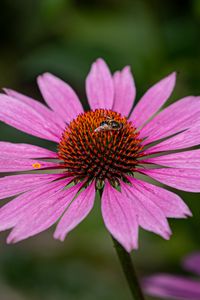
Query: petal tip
{"x": 167, "y": 234}
{"x": 44, "y": 76}
{"x": 59, "y": 236}
{"x": 11, "y": 239}
{"x": 6, "y": 90}
{"x": 100, "y": 60}
{"x": 39, "y": 79}
{"x": 172, "y": 77}
{"x": 188, "y": 214}
{"x": 127, "y": 69}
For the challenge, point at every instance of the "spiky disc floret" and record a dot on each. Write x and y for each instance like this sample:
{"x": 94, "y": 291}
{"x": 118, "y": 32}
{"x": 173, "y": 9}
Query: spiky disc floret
{"x": 92, "y": 151}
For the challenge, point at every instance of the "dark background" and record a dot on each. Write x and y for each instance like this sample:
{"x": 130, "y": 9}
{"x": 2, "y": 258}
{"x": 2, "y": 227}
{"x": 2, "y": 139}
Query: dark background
{"x": 64, "y": 37}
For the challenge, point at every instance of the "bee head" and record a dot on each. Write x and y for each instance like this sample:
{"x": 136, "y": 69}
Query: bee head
{"x": 103, "y": 123}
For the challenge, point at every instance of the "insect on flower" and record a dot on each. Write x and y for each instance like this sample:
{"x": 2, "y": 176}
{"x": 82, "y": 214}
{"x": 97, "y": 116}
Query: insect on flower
{"x": 115, "y": 147}
{"x": 109, "y": 124}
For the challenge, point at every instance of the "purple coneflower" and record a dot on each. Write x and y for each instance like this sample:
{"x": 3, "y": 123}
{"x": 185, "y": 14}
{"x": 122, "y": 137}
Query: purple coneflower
{"x": 174, "y": 287}
{"x": 103, "y": 149}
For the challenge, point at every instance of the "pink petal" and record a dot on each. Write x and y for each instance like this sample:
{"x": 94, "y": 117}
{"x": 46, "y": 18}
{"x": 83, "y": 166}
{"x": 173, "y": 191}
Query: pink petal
{"x": 119, "y": 217}
{"x": 42, "y": 214}
{"x": 60, "y": 97}
{"x": 12, "y": 165}
{"x": 39, "y": 107}
{"x": 17, "y": 209}
{"x": 179, "y": 116}
{"x": 185, "y": 160}
{"x": 15, "y": 184}
{"x": 172, "y": 287}
{"x": 186, "y": 139}
{"x": 153, "y": 100}
{"x": 125, "y": 91}
{"x": 150, "y": 216}
{"x": 23, "y": 117}
{"x": 76, "y": 212}
{"x": 99, "y": 86}
{"x": 182, "y": 179}
{"x": 171, "y": 204}
{"x": 12, "y": 150}
{"x": 192, "y": 263}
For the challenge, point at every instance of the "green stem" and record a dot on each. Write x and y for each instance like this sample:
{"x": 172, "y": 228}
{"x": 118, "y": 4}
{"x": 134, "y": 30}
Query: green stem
{"x": 129, "y": 271}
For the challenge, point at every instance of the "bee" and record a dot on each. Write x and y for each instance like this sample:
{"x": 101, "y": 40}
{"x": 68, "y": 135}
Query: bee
{"x": 109, "y": 124}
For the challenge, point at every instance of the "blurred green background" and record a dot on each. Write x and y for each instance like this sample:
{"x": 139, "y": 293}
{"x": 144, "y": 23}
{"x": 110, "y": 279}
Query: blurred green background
{"x": 64, "y": 37}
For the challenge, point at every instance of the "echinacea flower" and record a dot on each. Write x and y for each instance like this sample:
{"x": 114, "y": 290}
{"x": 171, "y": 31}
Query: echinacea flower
{"x": 176, "y": 287}
{"x": 101, "y": 149}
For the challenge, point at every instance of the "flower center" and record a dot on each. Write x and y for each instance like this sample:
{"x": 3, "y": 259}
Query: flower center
{"x": 100, "y": 145}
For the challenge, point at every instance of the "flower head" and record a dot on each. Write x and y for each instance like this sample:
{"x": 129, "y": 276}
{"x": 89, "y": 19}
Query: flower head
{"x": 100, "y": 145}
{"x": 175, "y": 287}
{"x": 103, "y": 149}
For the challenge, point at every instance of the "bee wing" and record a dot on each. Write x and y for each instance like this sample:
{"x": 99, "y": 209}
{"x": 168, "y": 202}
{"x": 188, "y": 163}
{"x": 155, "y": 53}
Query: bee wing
{"x": 100, "y": 128}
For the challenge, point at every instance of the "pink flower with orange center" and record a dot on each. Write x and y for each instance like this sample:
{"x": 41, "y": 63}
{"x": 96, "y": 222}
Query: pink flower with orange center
{"x": 102, "y": 150}
{"x": 176, "y": 287}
